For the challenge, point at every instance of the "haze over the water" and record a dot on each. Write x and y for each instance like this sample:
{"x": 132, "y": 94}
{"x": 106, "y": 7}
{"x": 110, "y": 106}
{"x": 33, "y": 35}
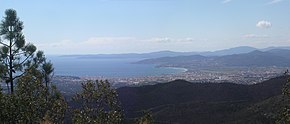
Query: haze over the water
{"x": 126, "y": 26}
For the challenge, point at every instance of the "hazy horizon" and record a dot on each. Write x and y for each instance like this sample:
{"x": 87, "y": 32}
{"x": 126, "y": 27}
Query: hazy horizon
{"x": 264, "y": 48}
{"x": 142, "y": 26}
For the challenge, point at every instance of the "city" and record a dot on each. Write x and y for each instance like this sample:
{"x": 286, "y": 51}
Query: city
{"x": 239, "y": 75}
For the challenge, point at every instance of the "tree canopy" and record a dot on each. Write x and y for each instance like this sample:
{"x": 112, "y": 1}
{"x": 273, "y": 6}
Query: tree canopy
{"x": 17, "y": 57}
{"x": 99, "y": 104}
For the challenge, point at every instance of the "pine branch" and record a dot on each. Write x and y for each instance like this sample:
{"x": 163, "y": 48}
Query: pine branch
{"x": 4, "y": 44}
{"x": 24, "y": 60}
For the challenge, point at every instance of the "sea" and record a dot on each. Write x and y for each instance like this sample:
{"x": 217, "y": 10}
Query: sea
{"x": 107, "y": 67}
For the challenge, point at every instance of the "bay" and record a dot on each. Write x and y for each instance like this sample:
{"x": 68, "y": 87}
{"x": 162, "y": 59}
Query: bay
{"x": 107, "y": 67}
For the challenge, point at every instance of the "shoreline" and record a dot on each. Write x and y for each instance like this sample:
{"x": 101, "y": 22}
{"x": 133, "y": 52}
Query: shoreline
{"x": 177, "y": 68}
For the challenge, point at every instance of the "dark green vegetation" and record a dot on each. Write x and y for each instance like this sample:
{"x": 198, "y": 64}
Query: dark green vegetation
{"x": 146, "y": 118}
{"x": 284, "y": 116}
{"x": 32, "y": 102}
{"x": 99, "y": 104}
{"x": 184, "y": 102}
{"x": 174, "y": 102}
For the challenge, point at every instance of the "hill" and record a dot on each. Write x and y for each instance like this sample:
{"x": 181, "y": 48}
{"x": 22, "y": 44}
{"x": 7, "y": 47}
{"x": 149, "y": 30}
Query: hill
{"x": 180, "y": 101}
{"x": 230, "y": 51}
{"x": 158, "y": 54}
{"x": 274, "y": 57}
{"x": 174, "y": 60}
{"x": 255, "y": 58}
{"x": 132, "y": 55}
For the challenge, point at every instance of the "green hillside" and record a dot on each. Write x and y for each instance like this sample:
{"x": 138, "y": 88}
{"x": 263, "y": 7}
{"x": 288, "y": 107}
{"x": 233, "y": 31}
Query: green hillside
{"x": 185, "y": 102}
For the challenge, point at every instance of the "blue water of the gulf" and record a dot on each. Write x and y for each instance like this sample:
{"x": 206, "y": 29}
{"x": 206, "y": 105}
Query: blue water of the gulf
{"x": 119, "y": 67}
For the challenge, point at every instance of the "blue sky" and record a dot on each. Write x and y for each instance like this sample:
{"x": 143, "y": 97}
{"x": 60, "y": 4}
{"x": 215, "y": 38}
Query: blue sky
{"x": 125, "y": 26}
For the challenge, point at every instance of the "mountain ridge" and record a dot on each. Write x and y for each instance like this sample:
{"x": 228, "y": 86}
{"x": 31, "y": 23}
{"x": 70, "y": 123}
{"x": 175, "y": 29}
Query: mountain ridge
{"x": 198, "y": 101}
{"x": 168, "y": 53}
{"x": 257, "y": 58}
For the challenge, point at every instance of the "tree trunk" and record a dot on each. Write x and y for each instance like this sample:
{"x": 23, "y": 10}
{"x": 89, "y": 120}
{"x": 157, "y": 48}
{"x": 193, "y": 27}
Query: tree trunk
{"x": 8, "y": 89}
{"x": 11, "y": 66}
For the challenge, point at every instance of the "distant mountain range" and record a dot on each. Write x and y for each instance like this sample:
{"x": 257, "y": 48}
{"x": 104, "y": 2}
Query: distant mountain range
{"x": 235, "y": 50}
{"x": 256, "y": 58}
{"x": 230, "y": 51}
{"x": 184, "y": 102}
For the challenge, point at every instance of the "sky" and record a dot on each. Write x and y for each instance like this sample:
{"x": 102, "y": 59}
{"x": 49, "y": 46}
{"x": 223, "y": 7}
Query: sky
{"x": 139, "y": 26}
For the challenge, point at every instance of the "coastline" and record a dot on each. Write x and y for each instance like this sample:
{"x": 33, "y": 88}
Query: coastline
{"x": 177, "y": 68}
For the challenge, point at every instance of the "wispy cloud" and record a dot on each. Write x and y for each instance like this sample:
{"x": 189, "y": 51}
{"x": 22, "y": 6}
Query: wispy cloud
{"x": 121, "y": 45}
{"x": 226, "y": 1}
{"x": 274, "y": 1}
{"x": 176, "y": 40}
{"x": 264, "y": 24}
{"x": 254, "y": 36}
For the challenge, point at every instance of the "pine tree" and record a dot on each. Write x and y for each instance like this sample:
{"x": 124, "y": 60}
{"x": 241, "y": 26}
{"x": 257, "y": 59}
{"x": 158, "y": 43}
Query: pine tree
{"x": 17, "y": 56}
{"x": 99, "y": 104}
{"x": 284, "y": 115}
{"x": 31, "y": 103}
{"x": 147, "y": 118}
{"x": 34, "y": 99}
